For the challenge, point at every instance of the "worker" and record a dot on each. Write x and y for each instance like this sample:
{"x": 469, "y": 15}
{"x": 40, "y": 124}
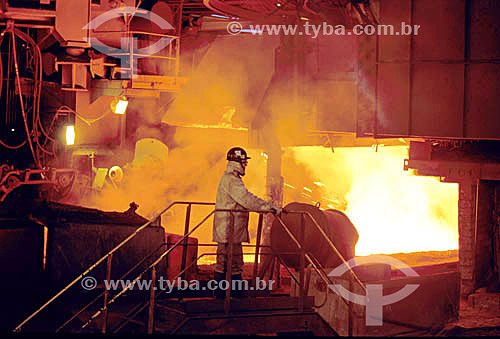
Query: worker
{"x": 233, "y": 195}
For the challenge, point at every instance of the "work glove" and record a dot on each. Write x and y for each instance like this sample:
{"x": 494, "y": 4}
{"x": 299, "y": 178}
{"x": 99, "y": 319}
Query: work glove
{"x": 276, "y": 210}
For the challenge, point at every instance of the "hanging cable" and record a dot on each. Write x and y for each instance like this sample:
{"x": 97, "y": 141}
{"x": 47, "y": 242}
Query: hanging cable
{"x": 7, "y": 119}
{"x": 12, "y": 147}
{"x": 34, "y": 57}
{"x": 37, "y": 55}
{"x": 18, "y": 82}
{"x": 85, "y": 120}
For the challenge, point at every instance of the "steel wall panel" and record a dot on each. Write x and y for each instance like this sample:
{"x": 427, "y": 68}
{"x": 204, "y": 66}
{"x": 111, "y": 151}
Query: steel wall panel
{"x": 73, "y": 247}
{"x": 394, "y": 47}
{"x": 442, "y": 31}
{"x": 336, "y": 53}
{"x": 71, "y": 17}
{"x": 394, "y": 99}
{"x": 367, "y": 79}
{"x": 438, "y": 104}
{"x": 337, "y": 106}
{"x": 450, "y": 82}
{"x": 483, "y": 97}
{"x": 485, "y": 29}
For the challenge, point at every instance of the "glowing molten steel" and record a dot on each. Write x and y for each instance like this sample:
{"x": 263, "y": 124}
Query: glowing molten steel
{"x": 392, "y": 210}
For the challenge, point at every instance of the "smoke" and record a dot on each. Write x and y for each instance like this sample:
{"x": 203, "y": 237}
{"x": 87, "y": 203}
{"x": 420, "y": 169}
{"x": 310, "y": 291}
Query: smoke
{"x": 234, "y": 72}
{"x": 224, "y": 90}
{"x": 393, "y": 211}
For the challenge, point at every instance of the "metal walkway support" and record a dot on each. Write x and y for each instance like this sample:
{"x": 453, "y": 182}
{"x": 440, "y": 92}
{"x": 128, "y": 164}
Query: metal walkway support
{"x": 252, "y": 310}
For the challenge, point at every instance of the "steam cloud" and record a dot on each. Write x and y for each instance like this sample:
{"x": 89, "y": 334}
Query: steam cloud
{"x": 393, "y": 212}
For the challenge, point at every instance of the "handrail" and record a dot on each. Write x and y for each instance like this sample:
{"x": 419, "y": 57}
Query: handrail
{"x": 102, "y": 293}
{"x": 173, "y": 56}
{"x": 308, "y": 257}
{"x": 140, "y": 307}
{"x": 334, "y": 248}
{"x": 140, "y": 32}
{"x": 183, "y": 239}
{"x": 158, "y": 260}
{"x": 116, "y": 248}
{"x": 130, "y": 284}
{"x": 153, "y": 265}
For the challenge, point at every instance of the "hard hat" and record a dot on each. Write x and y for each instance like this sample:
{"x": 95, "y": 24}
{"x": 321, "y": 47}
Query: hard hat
{"x": 237, "y": 154}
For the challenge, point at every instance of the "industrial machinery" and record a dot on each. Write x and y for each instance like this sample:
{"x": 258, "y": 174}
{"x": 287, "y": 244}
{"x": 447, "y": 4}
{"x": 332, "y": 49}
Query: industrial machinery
{"x": 182, "y": 310}
{"x": 335, "y": 224}
{"x": 106, "y": 101}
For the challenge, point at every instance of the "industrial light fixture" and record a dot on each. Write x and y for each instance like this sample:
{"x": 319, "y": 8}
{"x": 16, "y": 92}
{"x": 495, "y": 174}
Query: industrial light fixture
{"x": 70, "y": 135}
{"x": 119, "y": 105}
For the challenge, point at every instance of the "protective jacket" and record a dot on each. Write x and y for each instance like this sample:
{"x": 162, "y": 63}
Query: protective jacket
{"x": 232, "y": 194}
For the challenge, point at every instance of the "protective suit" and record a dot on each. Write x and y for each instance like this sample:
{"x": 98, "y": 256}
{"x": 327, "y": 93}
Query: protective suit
{"x": 232, "y": 194}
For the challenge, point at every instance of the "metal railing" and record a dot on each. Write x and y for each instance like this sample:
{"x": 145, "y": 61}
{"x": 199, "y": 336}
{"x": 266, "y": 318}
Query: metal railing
{"x": 184, "y": 242}
{"x": 153, "y": 267}
{"x": 105, "y": 257}
{"x": 173, "y": 49}
{"x": 141, "y": 306}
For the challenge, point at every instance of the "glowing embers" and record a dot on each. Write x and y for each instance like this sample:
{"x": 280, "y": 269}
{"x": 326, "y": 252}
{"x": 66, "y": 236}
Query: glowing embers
{"x": 70, "y": 135}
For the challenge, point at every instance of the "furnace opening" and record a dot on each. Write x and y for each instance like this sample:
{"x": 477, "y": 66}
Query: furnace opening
{"x": 393, "y": 210}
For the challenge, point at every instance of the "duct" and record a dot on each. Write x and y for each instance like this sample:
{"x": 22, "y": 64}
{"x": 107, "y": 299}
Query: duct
{"x": 70, "y": 26}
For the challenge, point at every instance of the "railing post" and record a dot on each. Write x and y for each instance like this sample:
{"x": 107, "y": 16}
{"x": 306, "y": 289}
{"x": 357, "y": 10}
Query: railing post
{"x": 257, "y": 249}
{"x": 349, "y": 310}
{"x": 106, "y": 294}
{"x": 178, "y": 42}
{"x": 308, "y": 279}
{"x": 302, "y": 263}
{"x": 185, "y": 243}
{"x": 151, "y": 316}
{"x": 271, "y": 271}
{"x": 278, "y": 273}
{"x": 132, "y": 57}
{"x": 19, "y": 327}
{"x": 229, "y": 263}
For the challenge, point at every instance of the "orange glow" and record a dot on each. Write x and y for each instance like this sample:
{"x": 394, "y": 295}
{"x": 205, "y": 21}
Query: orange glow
{"x": 392, "y": 210}
{"x": 70, "y": 135}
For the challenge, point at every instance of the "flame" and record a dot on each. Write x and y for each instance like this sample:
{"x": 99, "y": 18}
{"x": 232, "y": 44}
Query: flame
{"x": 392, "y": 210}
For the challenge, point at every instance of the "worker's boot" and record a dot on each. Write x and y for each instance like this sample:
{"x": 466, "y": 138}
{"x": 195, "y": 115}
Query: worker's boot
{"x": 238, "y": 291}
{"x": 219, "y": 293}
